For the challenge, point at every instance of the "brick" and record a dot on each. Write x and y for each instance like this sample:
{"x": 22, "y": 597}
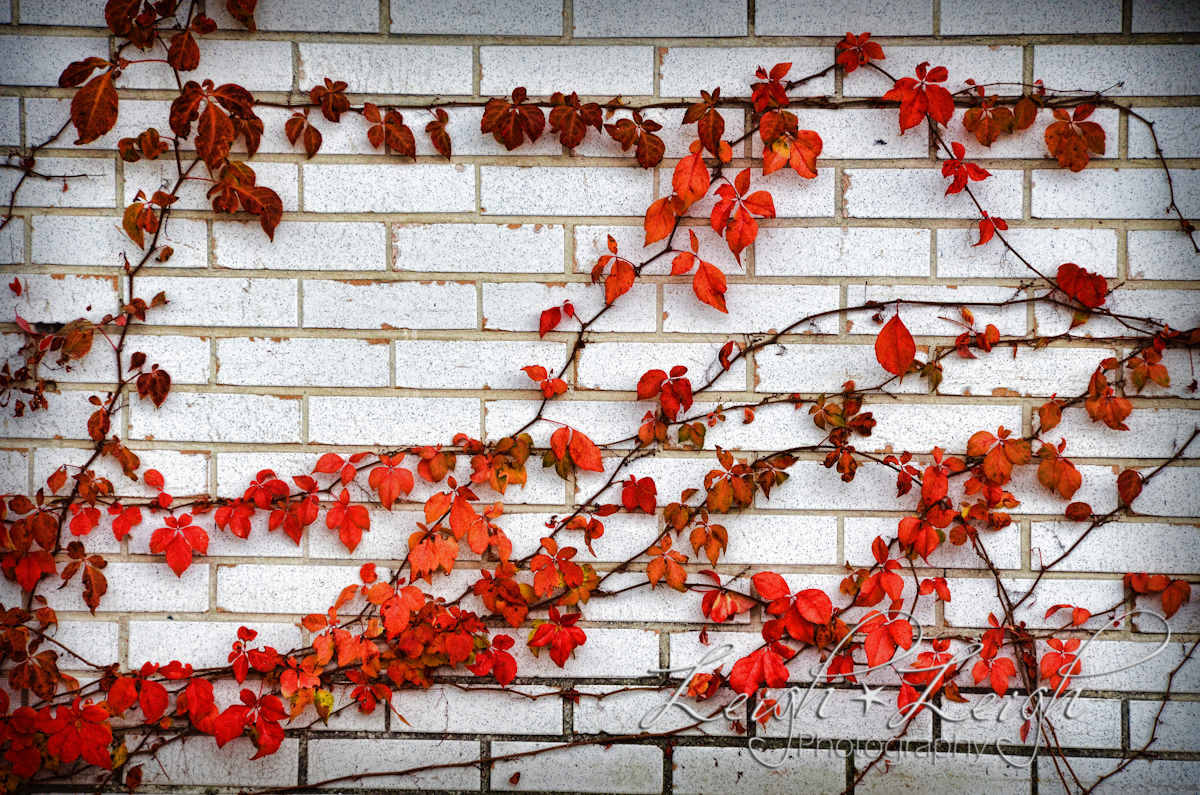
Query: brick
{"x": 1180, "y": 309}
{"x": 1103, "y": 193}
{"x": 318, "y": 246}
{"x": 1041, "y": 372}
{"x": 235, "y": 471}
{"x": 10, "y": 121}
{"x": 1160, "y": 254}
{"x": 687, "y": 651}
{"x": 1120, "y": 547}
{"x": 591, "y": 243}
{"x": 658, "y": 19}
{"x": 799, "y": 198}
{"x": 958, "y": 258}
{"x": 186, "y": 474}
{"x": 592, "y": 71}
{"x": 348, "y": 16}
{"x": 602, "y": 708}
{"x": 841, "y": 717}
{"x": 495, "y": 248}
{"x": 602, "y": 421}
{"x": 771, "y": 424}
{"x": 860, "y": 134}
{"x": 1174, "y": 492}
{"x": 87, "y": 240}
{"x": 1031, "y": 142}
{"x": 625, "y": 535}
{"x": 39, "y": 60}
{"x": 619, "y": 365}
{"x": 842, "y": 251}
{"x": 204, "y": 644}
{"x": 302, "y": 362}
{"x": 1174, "y": 127}
{"x": 478, "y": 17}
{"x": 1001, "y": 63}
{"x": 388, "y": 305}
{"x": 607, "y": 653}
{"x": 254, "y": 65}
{"x": 974, "y": 598}
{"x": 473, "y": 365}
{"x": 330, "y": 758}
{"x": 144, "y": 588}
{"x": 870, "y": 193}
{"x": 686, "y": 71}
{"x": 517, "y": 306}
{"x": 816, "y": 369}
{"x": 873, "y": 488}
{"x": 1162, "y": 16}
{"x": 389, "y": 188}
{"x": 1176, "y": 725}
{"x": 185, "y": 358}
{"x": 660, "y": 604}
{"x": 948, "y": 775}
{"x": 44, "y": 117}
{"x": 1146, "y": 667}
{"x": 12, "y": 244}
{"x": 1093, "y": 722}
{"x": 587, "y": 768}
{"x": 1010, "y": 320}
{"x": 240, "y": 302}
{"x": 446, "y": 709}
{"x": 1003, "y": 546}
{"x": 918, "y": 428}
{"x": 95, "y": 641}
{"x": 770, "y": 539}
{"x": 463, "y": 127}
{"x": 578, "y": 191}
{"x": 1141, "y": 70}
{"x": 388, "y": 68}
{"x": 203, "y": 762}
{"x": 14, "y": 472}
{"x": 95, "y": 188}
{"x": 84, "y": 13}
{"x": 676, "y": 137}
{"x": 1099, "y": 488}
{"x": 752, "y": 308}
{"x": 1160, "y": 777}
{"x": 61, "y": 299}
{"x": 390, "y": 420}
{"x": 1153, "y": 433}
{"x": 211, "y": 417}
{"x": 960, "y": 17}
{"x": 267, "y": 588}
{"x": 802, "y": 18}
{"x": 151, "y": 175}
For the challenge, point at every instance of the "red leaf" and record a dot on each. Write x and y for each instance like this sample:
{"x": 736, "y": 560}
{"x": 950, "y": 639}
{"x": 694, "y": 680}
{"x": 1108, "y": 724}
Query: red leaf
{"x": 549, "y": 320}
{"x": 94, "y": 109}
{"x": 894, "y": 347}
{"x": 584, "y": 453}
{"x": 709, "y": 286}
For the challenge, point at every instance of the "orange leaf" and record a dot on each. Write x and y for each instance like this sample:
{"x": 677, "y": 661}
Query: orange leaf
{"x": 895, "y": 348}
{"x": 94, "y": 109}
{"x": 709, "y": 286}
{"x": 584, "y": 453}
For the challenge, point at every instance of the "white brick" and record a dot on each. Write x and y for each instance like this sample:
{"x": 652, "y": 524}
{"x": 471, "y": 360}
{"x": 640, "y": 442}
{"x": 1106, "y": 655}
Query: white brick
{"x": 1175, "y": 491}
{"x": 201, "y": 762}
{"x": 999, "y": 63}
{"x": 603, "y": 708}
{"x": 771, "y": 425}
{"x": 577, "y": 191}
{"x": 204, "y": 644}
{"x": 948, "y": 775}
{"x": 1099, "y": 488}
{"x": 958, "y": 258}
{"x": 186, "y": 474}
{"x": 625, "y": 535}
{"x": 479, "y": 248}
{"x": 842, "y": 251}
{"x": 1119, "y": 547}
{"x": 602, "y": 421}
{"x": 813, "y": 487}
{"x": 1003, "y": 546}
{"x": 816, "y": 369}
{"x": 60, "y": 299}
{"x": 918, "y": 428}
{"x": 961, "y": 17}
{"x": 389, "y": 188}
{"x": 775, "y": 539}
{"x": 44, "y": 117}
{"x": 643, "y": 604}
{"x": 517, "y": 306}
{"x": 254, "y": 65}
{"x": 841, "y": 717}
{"x": 1031, "y": 142}
{"x": 235, "y": 471}
{"x": 658, "y": 18}
{"x": 591, "y": 243}
{"x": 619, "y": 365}
{"x": 210, "y": 417}
{"x": 144, "y": 588}
{"x": 390, "y": 420}
{"x": 829, "y": 18}
{"x": 336, "y": 758}
{"x": 92, "y": 183}
{"x": 871, "y": 193}
{"x": 1155, "y": 16}
{"x": 388, "y": 68}
{"x": 83, "y": 240}
{"x": 1153, "y": 433}
{"x": 1093, "y": 722}
{"x": 1123, "y": 71}
{"x": 66, "y": 419}
{"x": 861, "y": 134}
{"x": 1010, "y": 320}
{"x": 446, "y": 709}
{"x": 607, "y": 653}
{"x": 591, "y": 71}
{"x": 1176, "y": 130}
{"x": 1178, "y": 726}
{"x": 686, "y": 71}
{"x": 1104, "y": 193}
{"x": 95, "y": 641}
{"x": 265, "y": 588}
{"x": 151, "y": 175}
{"x": 349, "y": 16}
{"x": 752, "y": 308}
{"x": 39, "y": 60}
{"x": 12, "y": 244}
{"x": 676, "y": 136}
{"x": 388, "y": 305}
{"x": 316, "y": 246}
{"x": 201, "y": 301}
{"x": 1179, "y": 309}
{"x": 1029, "y": 372}
{"x": 436, "y": 364}
{"x": 83, "y": 13}
{"x": 10, "y": 121}
{"x": 14, "y": 472}
{"x": 1160, "y": 777}
{"x": 1161, "y": 254}
{"x": 387, "y": 538}
{"x": 586, "y": 768}
{"x": 972, "y": 600}
{"x": 303, "y": 362}
{"x": 793, "y": 198}
{"x": 185, "y": 358}
{"x": 463, "y": 127}
{"x": 479, "y": 17}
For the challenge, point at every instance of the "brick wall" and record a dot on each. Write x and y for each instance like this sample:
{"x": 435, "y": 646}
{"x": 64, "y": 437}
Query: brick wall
{"x": 399, "y": 300}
